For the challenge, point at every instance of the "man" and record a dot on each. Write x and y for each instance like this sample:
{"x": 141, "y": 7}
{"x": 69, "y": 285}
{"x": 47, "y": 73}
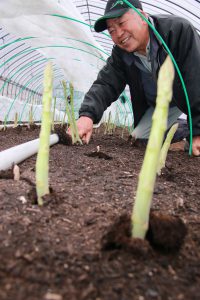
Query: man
{"x": 135, "y": 60}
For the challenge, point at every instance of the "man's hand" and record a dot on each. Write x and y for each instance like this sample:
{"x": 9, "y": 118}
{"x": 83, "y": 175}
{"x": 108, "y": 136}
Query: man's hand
{"x": 196, "y": 146}
{"x": 85, "y": 126}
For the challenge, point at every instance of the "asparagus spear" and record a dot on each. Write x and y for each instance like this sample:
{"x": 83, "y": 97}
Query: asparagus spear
{"x": 147, "y": 176}
{"x": 42, "y": 163}
{"x": 165, "y": 148}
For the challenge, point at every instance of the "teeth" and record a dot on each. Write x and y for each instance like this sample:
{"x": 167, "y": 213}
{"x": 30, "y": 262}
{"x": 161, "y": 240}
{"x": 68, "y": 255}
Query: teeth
{"x": 124, "y": 41}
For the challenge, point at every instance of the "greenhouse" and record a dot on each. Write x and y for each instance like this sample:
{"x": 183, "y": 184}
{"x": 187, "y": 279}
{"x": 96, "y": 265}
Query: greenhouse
{"x": 107, "y": 209}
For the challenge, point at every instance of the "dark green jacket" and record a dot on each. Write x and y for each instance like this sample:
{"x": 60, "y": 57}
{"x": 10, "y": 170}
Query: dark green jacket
{"x": 184, "y": 43}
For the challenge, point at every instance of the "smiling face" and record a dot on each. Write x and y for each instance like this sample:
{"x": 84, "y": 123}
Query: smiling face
{"x": 129, "y": 32}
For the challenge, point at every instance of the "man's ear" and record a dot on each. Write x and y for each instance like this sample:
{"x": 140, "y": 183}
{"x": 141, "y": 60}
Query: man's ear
{"x": 144, "y": 14}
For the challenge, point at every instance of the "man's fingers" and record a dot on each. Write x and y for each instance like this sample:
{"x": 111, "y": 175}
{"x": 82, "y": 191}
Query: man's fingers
{"x": 82, "y": 134}
{"x": 196, "y": 151}
{"x": 86, "y": 138}
{"x": 196, "y": 146}
{"x": 85, "y": 126}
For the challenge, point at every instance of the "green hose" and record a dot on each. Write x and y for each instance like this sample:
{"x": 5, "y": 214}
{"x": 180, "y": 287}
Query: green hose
{"x": 176, "y": 67}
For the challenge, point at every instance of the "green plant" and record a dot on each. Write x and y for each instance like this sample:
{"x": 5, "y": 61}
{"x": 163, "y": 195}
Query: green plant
{"x": 124, "y": 126}
{"x": 107, "y": 124}
{"x": 42, "y": 162}
{"x": 53, "y": 116}
{"x": 31, "y": 121}
{"x": 165, "y": 148}
{"x": 16, "y": 120}
{"x": 71, "y": 114}
{"x": 147, "y": 176}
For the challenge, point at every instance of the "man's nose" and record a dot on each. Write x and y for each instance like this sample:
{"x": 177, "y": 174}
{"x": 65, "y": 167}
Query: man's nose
{"x": 119, "y": 32}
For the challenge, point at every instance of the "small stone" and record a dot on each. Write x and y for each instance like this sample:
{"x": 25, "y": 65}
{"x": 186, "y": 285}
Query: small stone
{"x": 22, "y": 199}
{"x": 28, "y": 257}
{"x": 52, "y": 296}
{"x": 37, "y": 249}
{"x": 66, "y": 266}
{"x": 18, "y": 254}
{"x": 180, "y": 203}
{"x": 16, "y": 172}
{"x": 150, "y": 274}
{"x": 8, "y": 286}
{"x": 87, "y": 268}
{"x": 26, "y": 221}
{"x": 152, "y": 293}
{"x": 171, "y": 270}
{"x": 180, "y": 297}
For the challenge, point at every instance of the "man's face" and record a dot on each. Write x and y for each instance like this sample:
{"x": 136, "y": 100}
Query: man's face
{"x": 129, "y": 32}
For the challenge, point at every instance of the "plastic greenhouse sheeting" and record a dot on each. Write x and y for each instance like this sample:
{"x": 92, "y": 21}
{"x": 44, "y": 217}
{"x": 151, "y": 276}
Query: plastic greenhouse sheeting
{"x": 57, "y": 32}
{"x": 69, "y": 42}
{"x": 33, "y": 32}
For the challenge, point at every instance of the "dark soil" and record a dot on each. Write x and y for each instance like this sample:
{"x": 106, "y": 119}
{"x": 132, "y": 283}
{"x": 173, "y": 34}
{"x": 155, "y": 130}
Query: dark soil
{"x": 64, "y": 250}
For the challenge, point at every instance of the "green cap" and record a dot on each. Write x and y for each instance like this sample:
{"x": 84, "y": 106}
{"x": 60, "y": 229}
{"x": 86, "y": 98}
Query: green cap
{"x": 114, "y": 9}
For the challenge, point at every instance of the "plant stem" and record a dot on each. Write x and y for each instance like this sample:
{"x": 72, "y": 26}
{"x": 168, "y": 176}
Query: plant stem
{"x": 75, "y": 129}
{"x": 71, "y": 114}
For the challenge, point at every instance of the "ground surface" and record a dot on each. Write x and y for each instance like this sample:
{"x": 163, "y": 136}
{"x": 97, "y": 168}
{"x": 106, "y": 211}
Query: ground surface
{"x": 55, "y": 252}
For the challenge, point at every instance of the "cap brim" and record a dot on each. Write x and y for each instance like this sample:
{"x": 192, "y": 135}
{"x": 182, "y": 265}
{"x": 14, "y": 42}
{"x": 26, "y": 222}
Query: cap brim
{"x": 101, "y": 25}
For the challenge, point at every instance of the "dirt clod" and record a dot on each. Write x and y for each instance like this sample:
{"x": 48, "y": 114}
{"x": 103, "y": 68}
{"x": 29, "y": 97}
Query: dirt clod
{"x": 166, "y": 233}
{"x": 64, "y": 137}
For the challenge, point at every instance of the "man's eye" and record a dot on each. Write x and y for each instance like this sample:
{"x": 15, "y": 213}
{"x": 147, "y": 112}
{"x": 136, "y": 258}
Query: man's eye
{"x": 122, "y": 22}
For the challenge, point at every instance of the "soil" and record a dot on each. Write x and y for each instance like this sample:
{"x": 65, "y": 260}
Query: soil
{"x": 67, "y": 249}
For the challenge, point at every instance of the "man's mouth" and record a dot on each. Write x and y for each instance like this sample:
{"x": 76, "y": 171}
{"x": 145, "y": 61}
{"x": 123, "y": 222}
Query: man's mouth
{"x": 125, "y": 40}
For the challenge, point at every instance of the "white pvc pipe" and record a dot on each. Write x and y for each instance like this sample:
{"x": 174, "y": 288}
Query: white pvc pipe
{"x": 23, "y": 124}
{"x": 21, "y": 152}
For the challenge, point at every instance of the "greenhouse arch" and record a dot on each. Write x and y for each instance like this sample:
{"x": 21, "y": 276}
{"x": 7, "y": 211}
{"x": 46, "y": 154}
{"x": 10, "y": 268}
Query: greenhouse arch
{"x": 71, "y": 43}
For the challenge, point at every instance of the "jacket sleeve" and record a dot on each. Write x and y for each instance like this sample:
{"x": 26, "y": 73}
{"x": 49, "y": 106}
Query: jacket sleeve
{"x": 106, "y": 88}
{"x": 187, "y": 55}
